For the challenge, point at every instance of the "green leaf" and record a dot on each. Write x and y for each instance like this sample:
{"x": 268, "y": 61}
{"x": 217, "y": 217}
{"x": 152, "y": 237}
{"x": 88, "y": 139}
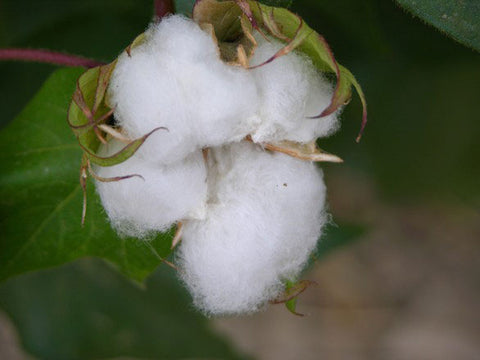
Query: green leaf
{"x": 457, "y": 19}
{"x": 41, "y": 196}
{"x": 86, "y": 311}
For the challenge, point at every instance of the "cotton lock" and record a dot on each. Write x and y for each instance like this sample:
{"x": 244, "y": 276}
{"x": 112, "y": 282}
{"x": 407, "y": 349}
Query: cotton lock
{"x": 291, "y": 93}
{"x": 156, "y": 197}
{"x": 177, "y": 80}
{"x": 265, "y": 214}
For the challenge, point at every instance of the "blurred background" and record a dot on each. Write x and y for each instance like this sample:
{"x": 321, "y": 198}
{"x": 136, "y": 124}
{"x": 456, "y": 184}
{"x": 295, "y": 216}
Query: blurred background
{"x": 398, "y": 272}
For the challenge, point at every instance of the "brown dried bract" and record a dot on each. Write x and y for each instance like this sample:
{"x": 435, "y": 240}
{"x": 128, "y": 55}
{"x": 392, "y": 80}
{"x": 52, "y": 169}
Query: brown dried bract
{"x": 307, "y": 152}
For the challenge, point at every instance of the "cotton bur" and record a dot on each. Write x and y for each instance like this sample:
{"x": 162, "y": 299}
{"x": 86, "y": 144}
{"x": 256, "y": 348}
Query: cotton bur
{"x": 249, "y": 218}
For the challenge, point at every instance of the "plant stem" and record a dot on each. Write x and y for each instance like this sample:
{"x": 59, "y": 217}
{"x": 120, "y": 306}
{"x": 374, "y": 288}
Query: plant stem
{"x": 47, "y": 56}
{"x": 163, "y": 8}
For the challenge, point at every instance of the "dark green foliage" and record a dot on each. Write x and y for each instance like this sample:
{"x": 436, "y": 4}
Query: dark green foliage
{"x": 41, "y": 196}
{"x": 87, "y": 311}
{"x": 457, "y": 19}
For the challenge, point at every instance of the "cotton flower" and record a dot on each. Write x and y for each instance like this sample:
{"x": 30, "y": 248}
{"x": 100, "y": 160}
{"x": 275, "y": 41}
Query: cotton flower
{"x": 177, "y": 80}
{"x": 264, "y": 217}
{"x": 152, "y": 202}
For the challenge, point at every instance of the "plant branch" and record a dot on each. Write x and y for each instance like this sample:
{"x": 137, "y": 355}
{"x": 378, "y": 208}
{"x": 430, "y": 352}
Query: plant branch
{"x": 47, "y": 56}
{"x": 163, "y": 8}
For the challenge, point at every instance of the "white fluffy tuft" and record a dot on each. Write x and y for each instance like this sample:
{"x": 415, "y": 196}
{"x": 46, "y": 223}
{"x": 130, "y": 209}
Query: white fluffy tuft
{"x": 253, "y": 221}
{"x": 176, "y": 79}
{"x": 265, "y": 215}
{"x": 166, "y": 194}
{"x": 291, "y": 90}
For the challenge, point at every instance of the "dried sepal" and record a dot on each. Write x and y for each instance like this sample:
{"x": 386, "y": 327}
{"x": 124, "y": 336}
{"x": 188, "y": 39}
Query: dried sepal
{"x": 160, "y": 258}
{"x": 178, "y": 235}
{"x": 292, "y": 44}
{"x": 248, "y": 31}
{"x": 244, "y": 5}
{"x": 223, "y": 15}
{"x": 93, "y": 174}
{"x": 363, "y": 99}
{"x": 115, "y": 133}
{"x": 307, "y": 152}
{"x": 85, "y": 171}
{"x": 303, "y": 151}
{"x": 242, "y": 57}
{"x": 124, "y": 154}
{"x": 105, "y": 73}
{"x": 140, "y": 39}
{"x": 230, "y": 32}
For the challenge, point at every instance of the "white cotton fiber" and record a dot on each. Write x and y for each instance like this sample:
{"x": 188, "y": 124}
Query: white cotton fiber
{"x": 291, "y": 90}
{"x": 167, "y": 193}
{"x": 264, "y": 217}
{"x": 176, "y": 79}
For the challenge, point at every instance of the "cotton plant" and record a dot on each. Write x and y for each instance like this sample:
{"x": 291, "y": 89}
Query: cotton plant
{"x": 209, "y": 125}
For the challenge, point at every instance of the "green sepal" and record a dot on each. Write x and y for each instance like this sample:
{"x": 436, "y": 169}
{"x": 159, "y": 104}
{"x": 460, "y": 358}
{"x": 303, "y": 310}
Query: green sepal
{"x": 124, "y": 154}
{"x": 292, "y": 290}
{"x": 291, "y": 306}
{"x": 87, "y": 109}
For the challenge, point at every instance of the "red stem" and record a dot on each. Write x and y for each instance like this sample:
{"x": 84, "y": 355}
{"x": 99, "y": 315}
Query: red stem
{"x": 47, "y": 56}
{"x": 163, "y": 8}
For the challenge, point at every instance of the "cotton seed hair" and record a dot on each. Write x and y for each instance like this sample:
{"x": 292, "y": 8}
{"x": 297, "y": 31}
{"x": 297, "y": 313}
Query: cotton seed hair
{"x": 157, "y": 197}
{"x": 291, "y": 92}
{"x": 264, "y": 217}
{"x": 176, "y": 79}
{"x": 251, "y": 217}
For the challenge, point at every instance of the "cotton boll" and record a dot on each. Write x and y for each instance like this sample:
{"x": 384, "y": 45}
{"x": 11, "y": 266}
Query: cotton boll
{"x": 264, "y": 218}
{"x": 167, "y": 193}
{"x": 292, "y": 91}
{"x": 177, "y": 80}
